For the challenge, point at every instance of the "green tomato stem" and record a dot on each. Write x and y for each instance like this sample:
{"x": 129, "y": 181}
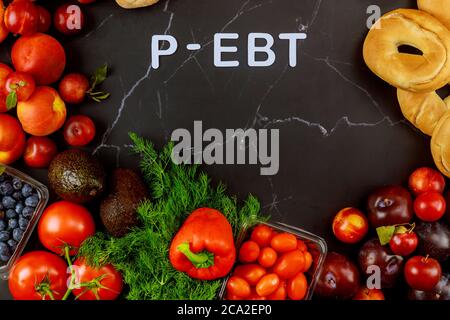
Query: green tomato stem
{"x": 72, "y": 271}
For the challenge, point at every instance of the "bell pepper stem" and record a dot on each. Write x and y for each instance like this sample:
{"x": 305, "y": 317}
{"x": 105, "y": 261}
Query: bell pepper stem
{"x": 200, "y": 260}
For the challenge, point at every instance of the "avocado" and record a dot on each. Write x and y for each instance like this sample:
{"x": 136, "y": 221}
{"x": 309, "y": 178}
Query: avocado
{"x": 76, "y": 176}
{"x": 118, "y": 209}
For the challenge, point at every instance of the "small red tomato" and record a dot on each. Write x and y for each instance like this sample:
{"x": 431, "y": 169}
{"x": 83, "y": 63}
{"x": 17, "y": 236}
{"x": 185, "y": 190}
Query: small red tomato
{"x": 262, "y": 235}
{"x": 369, "y": 294}
{"x": 280, "y": 293}
{"x": 422, "y": 273}
{"x": 79, "y": 130}
{"x": 237, "y": 286}
{"x": 255, "y": 296}
{"x": 267, "y": 257}
{"x": 267, "y": 285}
{"x": 249, "y": 252}
{"x": 301, "y": 245}
{"x": 69, "y": 19}
{"x": 22, "y": 17}
{"x": 22, "y": 84}
{"x": 426, "y": 179}
{"x": 39, "y": 152}
{"x": 251, "y": 273}
{"x": 350, "y": 225}
{"x": 297, "y": 287}
{"x": 403, "y": 244}
{"x": 45, "y": 19}
{"x": 429, "y": 206}
{"x": 73, "y": 88}
{"x": 284, "y": 242}
{"x": 308, "y": 261}
{"x": 289, "y": 264}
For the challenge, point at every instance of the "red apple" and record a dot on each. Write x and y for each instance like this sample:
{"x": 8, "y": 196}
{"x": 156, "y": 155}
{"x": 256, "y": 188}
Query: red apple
{"x": 12, "y": 139}
{"x": 369, "y": 294}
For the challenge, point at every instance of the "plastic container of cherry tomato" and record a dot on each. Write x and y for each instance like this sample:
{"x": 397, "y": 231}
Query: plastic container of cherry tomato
{"x": 316, "y": 246}
{"x": 43, "y": 195}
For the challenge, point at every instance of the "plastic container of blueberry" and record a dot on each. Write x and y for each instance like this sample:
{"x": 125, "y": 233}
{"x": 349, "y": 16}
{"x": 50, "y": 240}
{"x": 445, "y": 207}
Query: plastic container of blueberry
{"x": 22, "y": 201}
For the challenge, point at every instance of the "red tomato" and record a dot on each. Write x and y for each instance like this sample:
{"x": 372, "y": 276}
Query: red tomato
{"x": 41, "y": 56}
{"x": 301, "y": 245}
{"x": 422, "y": 273}
{"x": 280, "y": 293}
{"x": 255, "y": 296}
{"x": 5, "y": 71}
{"x": 267, "y": 285}
{"x": 369, "y": 294}
{"x": 237, "y": 286}
{"x": 267, "y": 257}
{"x": 249, "y": 252}
{"x": 69, "y": 19}
{"x": 73, "y": 88}
{"x": 251, "y": 273}
{"x": 65, "y": 223}
{"x": 284, "y": 242}
{"x": 308, "y": 261}
{"x": 38, "y": 275}
{"x": 12, "y": 139}
{"x": 22, "y": 84}
{"x": 289, "y": 264}
{"x": 403, "y": 244}
{"x": 426, "y": 179}
{"x": 429, "y": 206}
{"x": 350, "y": 225}
{"x": 79, "y": 131}
{"x": 262, "y": 235}
{"x": 39, "y": 152}
{"x": 105, "y": 282}
{"x": 45, "y": 19}
{"x": 22, "y": 17}
{"x": 297, "y": 287}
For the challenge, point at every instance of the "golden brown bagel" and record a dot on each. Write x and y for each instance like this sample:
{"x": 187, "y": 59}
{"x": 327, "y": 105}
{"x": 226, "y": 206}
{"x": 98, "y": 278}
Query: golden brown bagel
{"x": 417, "y": 73}
{"x": 440, "y": 144}
{"x": 423, "y": 110}
{"x": 438, "y": 8}
{"x": 131, "y": 4}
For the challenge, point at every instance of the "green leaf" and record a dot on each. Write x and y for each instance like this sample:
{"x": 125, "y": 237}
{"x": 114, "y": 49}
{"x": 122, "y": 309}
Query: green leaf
{"x": 99, "y": 76}
{"x": 2, "y": 169}
{"x": 385, "y": 234}
{"x": 11, "y": 100}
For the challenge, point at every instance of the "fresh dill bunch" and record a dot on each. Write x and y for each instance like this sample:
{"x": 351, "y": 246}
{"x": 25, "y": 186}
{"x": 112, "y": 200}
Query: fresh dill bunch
{"x": 142, "y": 255}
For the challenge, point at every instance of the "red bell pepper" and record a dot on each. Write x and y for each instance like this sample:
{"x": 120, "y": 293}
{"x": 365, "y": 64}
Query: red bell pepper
{"x": 204, "y": 246}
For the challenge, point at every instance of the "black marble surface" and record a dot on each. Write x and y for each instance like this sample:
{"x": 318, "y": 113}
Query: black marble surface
{"x": 341, "y": 130}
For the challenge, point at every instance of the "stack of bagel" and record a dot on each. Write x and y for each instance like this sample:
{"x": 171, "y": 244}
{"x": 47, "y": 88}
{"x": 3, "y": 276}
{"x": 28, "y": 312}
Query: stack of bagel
{"x": 417, "y": 76}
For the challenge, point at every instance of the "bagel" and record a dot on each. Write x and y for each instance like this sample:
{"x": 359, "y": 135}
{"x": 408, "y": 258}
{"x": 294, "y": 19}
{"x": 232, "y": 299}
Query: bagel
{"x": 438, "y": 8}
{"x": 417, "y": 73}
{"x": 423, "y": 110}
{"x": 131, "y": 4}
{"x": 440, "y": 144}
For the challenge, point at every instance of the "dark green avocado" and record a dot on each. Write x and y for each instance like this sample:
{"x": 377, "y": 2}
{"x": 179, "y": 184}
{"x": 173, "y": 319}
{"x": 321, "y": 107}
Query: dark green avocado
{"x": 76, "y": 176}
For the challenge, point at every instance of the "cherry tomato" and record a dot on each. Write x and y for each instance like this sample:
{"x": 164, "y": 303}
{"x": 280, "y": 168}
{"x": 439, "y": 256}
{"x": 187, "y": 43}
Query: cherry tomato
{"x": 289, "y": 264}
{"x": 69, "y": 19}
{"x": 73, "y": 88}
{"x": 39, "y": 152}
{"x": 5, "y": 71}
{"x": 403, "y": 244}
{"x": 267, "y": 257}
{"x": 38, "y": 275}
{"x": 22, "y": 17}
{"x": 284, "y": 242}
{"x": 297, "y": 287}
{"x": 65, "y": 224}
{"x": 79, "y": 130}
{"x": 233, "y": 298}
{"x": 350, "y": 225}
{"x": 22, "y": 84}
{"x": 369, "y": 294}
{"x": 237, "y": 286}
{"x": 280, "y": 293}
{"x": 255, "y": 296}
{"x": 249, "y": 252}
{"x": 426, "y": 179}
{"x": 105, "y": 282}
{"x": 262, "y": 235}
{"x": 301, "y": 245}
{"x": 251, "y": 273}
{"x": 267, "y": 285}
{"x": 308, "y": 261}
{"x": 45, "y": 19}
{"x": 422, "y": 273}
{"x": 429, "y": 206}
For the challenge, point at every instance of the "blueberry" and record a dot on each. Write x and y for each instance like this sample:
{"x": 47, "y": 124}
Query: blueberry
{"x": 2, "y": 225}
{"x": 8, "y": 202}
{"x": 23, "y": 223}
{"x": 11, "y": 213}
{"x": 12, "y": 244}
{"x": 4, "y": 249}
{"x": 5, "y": 258}
{"x": 4, "y": 235}
{"x": 27, "y": 212}
{"x": 17, "y": 195}
{"x": 1, "y": 206}
{"x": 2, "y": 177}
{"x": 12, "y": 224}
{"x": 17, "y": 184}
{"x": 27, "y": 190}
{"x": 32, "y": 201}
{"x": 6, "y": 188}
{"x": 17, "y": 234}
{"x": 19, "y": 207}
